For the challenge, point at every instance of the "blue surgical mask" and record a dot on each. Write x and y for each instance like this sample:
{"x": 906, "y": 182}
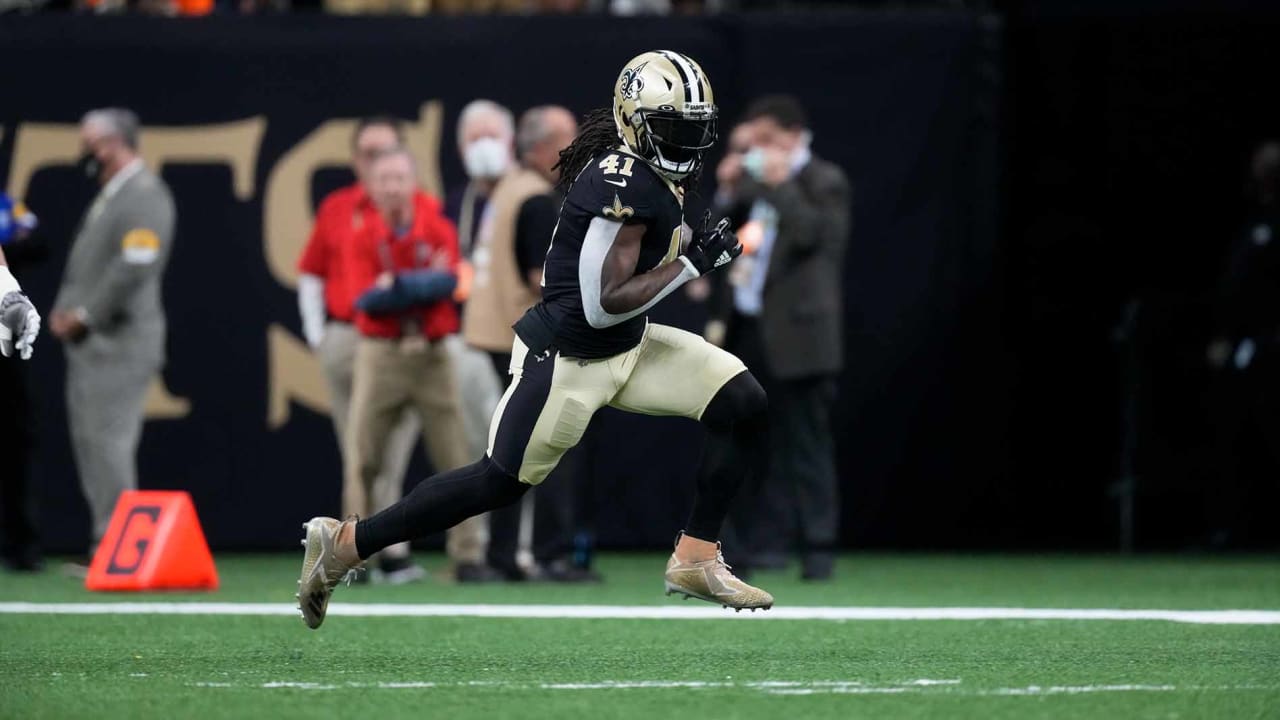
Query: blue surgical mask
{"x": 753, "y": 163}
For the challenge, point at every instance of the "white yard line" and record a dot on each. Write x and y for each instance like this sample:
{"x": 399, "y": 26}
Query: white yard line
{"x": 1080, "y": 689}
{"x": 648, "y": 612}
{"x": 923, "y": 686}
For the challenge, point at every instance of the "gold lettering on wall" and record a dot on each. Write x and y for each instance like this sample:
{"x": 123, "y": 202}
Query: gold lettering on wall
{"x": 286, "y": 208}
{"x": 287, "y": 211}
{"x": 423, "y": 139}
{"x": 294, "y": 375}
{"x": 37, "y": 146}
{"x": 235, "y": 144}
{"x": 41, "y": 145}
{"x": 163, "y": 405}
{"x": 294, "y": 372}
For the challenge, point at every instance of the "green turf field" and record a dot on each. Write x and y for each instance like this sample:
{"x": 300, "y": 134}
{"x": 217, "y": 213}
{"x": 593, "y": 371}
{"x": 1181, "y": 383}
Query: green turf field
{"x": 177, "y": 666}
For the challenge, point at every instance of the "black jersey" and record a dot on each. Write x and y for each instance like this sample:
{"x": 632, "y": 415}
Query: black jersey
{"x": 618, "y": 187}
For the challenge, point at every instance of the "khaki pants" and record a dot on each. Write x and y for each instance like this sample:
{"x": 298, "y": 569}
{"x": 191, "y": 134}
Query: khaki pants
{"x": 337, "y": 353}
{"x": 389, "y": 380}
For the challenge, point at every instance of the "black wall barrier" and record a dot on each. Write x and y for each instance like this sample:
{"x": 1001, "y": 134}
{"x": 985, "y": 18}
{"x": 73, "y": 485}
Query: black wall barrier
{"x": 249, "y": 120}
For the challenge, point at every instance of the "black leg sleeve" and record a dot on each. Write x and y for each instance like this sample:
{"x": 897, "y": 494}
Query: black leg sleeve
{"x": 438, "y": 503}
{"x": 737, "y": 431}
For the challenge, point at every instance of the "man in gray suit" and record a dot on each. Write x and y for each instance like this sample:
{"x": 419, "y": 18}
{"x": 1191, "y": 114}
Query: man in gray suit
{"x": 108, "y": 311}
{"x": 786, "y": 323}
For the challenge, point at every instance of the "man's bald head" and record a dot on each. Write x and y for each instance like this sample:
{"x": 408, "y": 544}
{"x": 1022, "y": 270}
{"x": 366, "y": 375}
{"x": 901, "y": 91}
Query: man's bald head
{"x": 543, "y": 132}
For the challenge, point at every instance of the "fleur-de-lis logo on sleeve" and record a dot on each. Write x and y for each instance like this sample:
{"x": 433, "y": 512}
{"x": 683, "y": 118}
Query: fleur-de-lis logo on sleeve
{"x": 618, "y": 210}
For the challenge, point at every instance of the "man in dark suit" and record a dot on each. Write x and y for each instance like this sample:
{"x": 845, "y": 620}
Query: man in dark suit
{"x": 786, "y": 323}
{"x": 1245, "y": 355}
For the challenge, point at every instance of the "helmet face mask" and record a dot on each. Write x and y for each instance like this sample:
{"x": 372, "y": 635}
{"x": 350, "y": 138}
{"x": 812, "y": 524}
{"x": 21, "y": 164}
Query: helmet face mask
{"x": 678, "y": 141}
{"x": 665, "y": 112}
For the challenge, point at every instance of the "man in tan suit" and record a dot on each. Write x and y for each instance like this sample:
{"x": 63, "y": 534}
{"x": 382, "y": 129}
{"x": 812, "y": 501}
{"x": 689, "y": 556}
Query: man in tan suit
{"x": 514, "y": 232}
{"x": 486, "y": 146}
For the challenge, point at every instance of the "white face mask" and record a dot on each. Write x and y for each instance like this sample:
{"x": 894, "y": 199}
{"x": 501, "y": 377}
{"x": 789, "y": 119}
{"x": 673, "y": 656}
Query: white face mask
{"x": 753, "y": 163}
{"x": 486, "y": 158}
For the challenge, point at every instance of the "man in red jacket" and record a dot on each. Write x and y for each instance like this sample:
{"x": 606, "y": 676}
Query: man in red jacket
{"x": 403, "y": 265}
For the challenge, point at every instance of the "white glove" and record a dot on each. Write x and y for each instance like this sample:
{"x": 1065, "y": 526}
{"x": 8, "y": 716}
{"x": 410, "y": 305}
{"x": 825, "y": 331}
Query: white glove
{"x": 19, "y": 321}
{"x": 311, "y": 308}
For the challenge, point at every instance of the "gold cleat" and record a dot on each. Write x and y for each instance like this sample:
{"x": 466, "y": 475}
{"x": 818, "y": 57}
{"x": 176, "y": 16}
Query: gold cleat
{"x": 322, "y": 570}
{"x": 711, "y": 580}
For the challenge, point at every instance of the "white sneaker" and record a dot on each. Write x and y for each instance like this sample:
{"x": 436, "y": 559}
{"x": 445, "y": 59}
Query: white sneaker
{"x": 401, "y": 576}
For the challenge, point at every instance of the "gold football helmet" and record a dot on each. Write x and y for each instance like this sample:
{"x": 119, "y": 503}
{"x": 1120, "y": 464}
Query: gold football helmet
{"x": 665, "y": 112}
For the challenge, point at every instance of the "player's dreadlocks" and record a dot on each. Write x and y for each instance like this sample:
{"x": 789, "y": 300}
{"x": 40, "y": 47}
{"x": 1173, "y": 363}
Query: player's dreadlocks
{"x": 596, "y": 134}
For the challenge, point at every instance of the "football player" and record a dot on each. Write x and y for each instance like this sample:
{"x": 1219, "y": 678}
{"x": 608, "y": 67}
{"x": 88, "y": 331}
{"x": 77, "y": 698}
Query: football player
{"x": 616, "y": 251}
{"x": 19, "y": 321}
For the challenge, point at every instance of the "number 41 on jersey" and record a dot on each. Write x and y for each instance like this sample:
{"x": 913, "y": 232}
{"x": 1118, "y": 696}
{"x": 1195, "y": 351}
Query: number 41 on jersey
{"x": 610, "y": 165}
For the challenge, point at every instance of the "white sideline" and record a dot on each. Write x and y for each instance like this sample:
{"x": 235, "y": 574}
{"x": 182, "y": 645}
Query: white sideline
{"x": 648, "y": 612}
{"x": 768, "y": 687}
{"x": 785, "y": 688}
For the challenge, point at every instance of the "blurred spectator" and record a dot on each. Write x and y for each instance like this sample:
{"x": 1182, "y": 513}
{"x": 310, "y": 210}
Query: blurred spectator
{"x": 1246, "y": 354}
{"x": 19, "y": 539}
{"x": 639, "y": 7}
{"x": 486, "y": 133}
{"x": 255, "y": 7}
{"x": 108, "y": 312}
{"x": 405, "y": 258}
{"x": 483, "y": 6}
{"x": 785, "y": 323}
{"x": 167, "y": 8}
{"x": 326, "y": 303}
{"x": 514, "y": 233}
{"x": 486, "y": 137}
{"x": 726, "y": 203}
{"x": 533, "y": 538}
{"x": 659, "y": 7}
{"x": 378, "y": 7}
{"x": 100, "y": 7}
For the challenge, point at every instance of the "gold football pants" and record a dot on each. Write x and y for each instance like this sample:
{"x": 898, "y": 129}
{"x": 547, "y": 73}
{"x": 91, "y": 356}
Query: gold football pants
{"x": 551, "y": 400}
